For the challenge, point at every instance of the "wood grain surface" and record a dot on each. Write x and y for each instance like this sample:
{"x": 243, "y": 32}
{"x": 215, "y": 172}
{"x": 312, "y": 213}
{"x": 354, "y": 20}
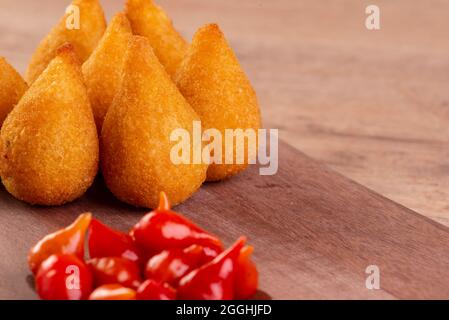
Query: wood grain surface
{"x": 373, "y": 105}
{"x": 315, "y": 232}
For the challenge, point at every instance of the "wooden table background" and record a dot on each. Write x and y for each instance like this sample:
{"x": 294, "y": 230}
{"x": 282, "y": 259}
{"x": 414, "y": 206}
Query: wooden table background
{"x": 373, "y": 105}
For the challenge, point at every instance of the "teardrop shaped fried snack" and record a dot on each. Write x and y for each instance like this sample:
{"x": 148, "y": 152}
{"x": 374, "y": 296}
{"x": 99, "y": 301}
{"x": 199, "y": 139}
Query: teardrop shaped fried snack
{"x": 212, "y": 81}
{"x": 135, "y": 140}
{"x": 49, "y": 143}
{"x": 83, "y": 26}
{"x": 12, "y": 88}
{"x": 103, "y": 70}
{"x": 149, "y": 20}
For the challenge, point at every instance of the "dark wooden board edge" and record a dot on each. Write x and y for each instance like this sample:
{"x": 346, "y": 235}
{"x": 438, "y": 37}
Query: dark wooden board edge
{"x": 314, "y": 231}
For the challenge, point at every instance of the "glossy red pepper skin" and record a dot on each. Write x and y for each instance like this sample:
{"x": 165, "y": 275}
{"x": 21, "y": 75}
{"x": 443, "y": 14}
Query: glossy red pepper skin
{"x": 247, "y": 279}
{"x": 153, "y": 290}
{"x": 113, "y": 292}
{"x": 214, "y": 280}
{"x": 69, "y": 240}
{"x": 163, "y": 229}
{"x": 209, "y": 254}
{"x": 107, "y": 242}
{"x": 117, "y": 270}
{"x": 171, "y": 265}
{"x": 63, "y": 277}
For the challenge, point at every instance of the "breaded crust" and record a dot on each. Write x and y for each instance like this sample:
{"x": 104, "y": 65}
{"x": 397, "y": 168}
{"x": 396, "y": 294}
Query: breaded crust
{"x": 103, "y": 70}
{"x": 150, "y": 20}
{"x": 211, "y": 79}
{"x": 12, "y": 88}
{"x": 135, "y": 140}
{"x": 49, "y": 144}
{"x": 84, "y": 40}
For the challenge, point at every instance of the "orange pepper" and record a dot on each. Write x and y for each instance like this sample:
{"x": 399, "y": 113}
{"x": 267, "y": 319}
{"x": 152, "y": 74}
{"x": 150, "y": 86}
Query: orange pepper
{"x": 113, "y": 292}
{"x": 247, "y": 278}
{"x": 69, "y": 240}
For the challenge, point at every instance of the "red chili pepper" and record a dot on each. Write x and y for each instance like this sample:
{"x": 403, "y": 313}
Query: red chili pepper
{"x": 106, "y": 242}
{"x": 210, "y": 254}
{"x": 153, "y": 290}
{"x": 247, "y": 280}
{"x": 115, "y": 270}
{"x": 171, "y": 265}
{"x": 214, "y": 280}
{"x": 63, "y": 277}
{"x": 113, "y": 292}
{"x": 163, "y": 229}
{"x": 69, "y": 240}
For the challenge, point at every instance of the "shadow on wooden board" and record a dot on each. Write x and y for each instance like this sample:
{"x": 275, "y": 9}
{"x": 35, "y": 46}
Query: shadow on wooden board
{"x": 314, "y": 232}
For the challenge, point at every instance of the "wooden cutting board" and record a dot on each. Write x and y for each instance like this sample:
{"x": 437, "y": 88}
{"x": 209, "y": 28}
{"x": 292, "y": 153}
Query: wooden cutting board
{"x": 315, "y": 232}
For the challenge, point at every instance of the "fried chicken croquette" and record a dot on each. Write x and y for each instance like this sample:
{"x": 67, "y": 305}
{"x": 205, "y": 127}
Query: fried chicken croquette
{"x": 103, "y": 70}
{"x": 136, "y": 137}
{"x": 212, "y": 81}
{"x": 83, "y": 34}
{"x": 12, "y": 88}
{"x": 149, "y": 20}
{"x": 48, "y": 143}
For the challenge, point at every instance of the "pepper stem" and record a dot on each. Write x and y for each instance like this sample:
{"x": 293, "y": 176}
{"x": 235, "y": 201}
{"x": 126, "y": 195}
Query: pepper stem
{"x": 164, "y": 204}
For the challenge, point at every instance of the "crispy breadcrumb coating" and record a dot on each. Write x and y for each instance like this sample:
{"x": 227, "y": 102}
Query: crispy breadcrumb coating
{"x": 12, "y": 88}
{"x": 211, "y": 79}
{"x": 49, "y": 144}
{"x": 149, "y": 20}
{"x": 135, "y": 140}
{"x": 84, "y": 40}
{"x": 103, "y": 70}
